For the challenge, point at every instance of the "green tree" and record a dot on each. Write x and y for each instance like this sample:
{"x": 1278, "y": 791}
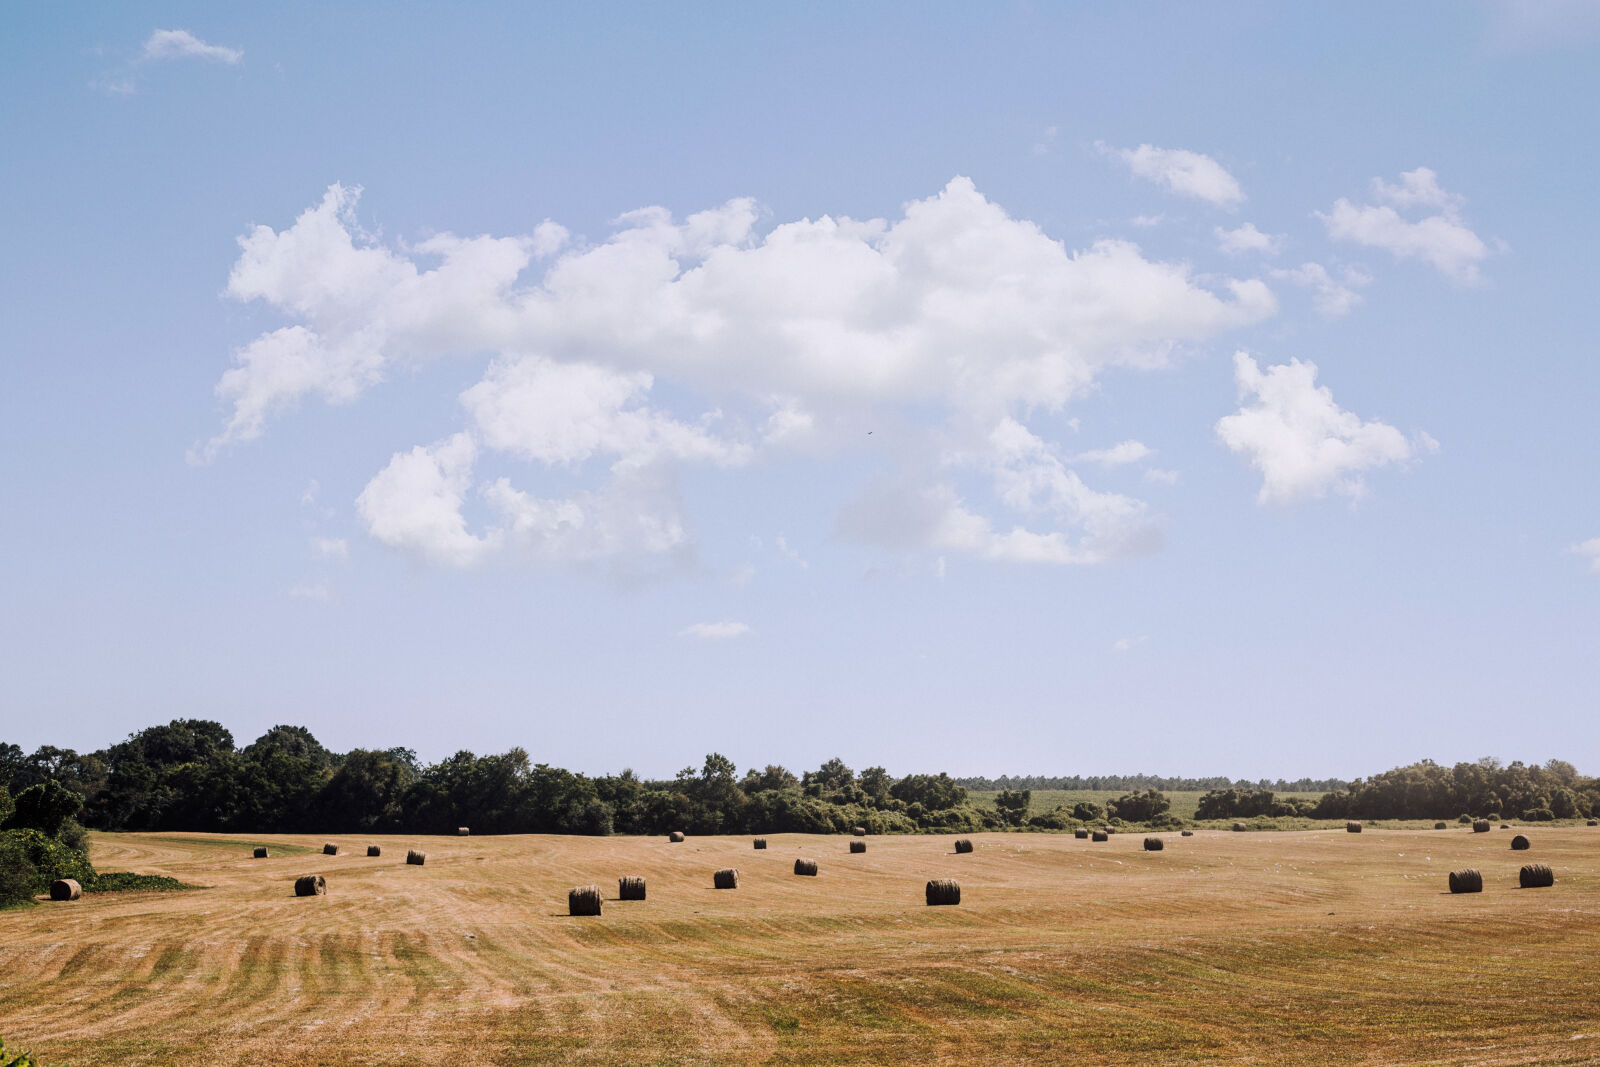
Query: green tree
{"x": 364, "y": 794}
{"x": 1012, "y": 804}
{"x": 44, "y": 807}
{"x": 773, "y": 776}
{"x": 875, "y": 783}
{"x": 935, "y": 792}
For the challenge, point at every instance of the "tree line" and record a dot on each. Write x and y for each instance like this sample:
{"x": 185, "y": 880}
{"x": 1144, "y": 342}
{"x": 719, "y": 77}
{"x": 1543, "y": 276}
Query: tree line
{"x": 190, "y": 775}
{"x": 1113, "y": 782}
{"x": 1427, "y": 790}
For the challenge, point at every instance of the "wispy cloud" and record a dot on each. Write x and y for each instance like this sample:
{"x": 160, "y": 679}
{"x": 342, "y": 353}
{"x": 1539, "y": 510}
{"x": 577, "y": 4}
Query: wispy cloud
{"x": 1590, "y": 550}
{"x": 159, "y": 47}
{"x": 1181, "y": 171}
{"x": 181, "y": 44}
{"x": 1247, "y": 238}
{"x": 715, "y": 631}
{"x": 788, "y": 553}
{"x": 1332, "y": 297}
{"x": 1117, "y": 455}
{"x": 330, "y": 548}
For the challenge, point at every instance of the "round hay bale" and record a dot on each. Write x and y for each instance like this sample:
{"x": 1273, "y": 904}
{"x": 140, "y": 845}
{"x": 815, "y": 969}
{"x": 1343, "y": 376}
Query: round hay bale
{"x": 727, "y": 878}
{"x": 65, "y": 889}
{"x": 1505, "y": 826}
{"x": 858, "y": 846}
{"x": 463, "y": 831}
{"x": 761, "y": 842}
{"x": 1467, "y": 881}
{"x": 944, "y": 891}
{"x": 963, "y": 844}
{"x": 330, "y": 850}
{"x": 1186, "y": 833}
{"x": 630, "y": 888}
{"x": 1100, "y": 835}
{"x": 374, "y": 850}
{"x": 261, "y": 852}
{"x": 1240, "y": 827}
{"x": 859, "y": 831}
{"x": 310, "y": 885}
{"x": 675, "y": 836}
{"x": 1440, "y": 826}
{"x": 1537, "y": 876}
{"x": 1081, "y": 833}
{"x": 415, "y": 858}
{"x": 1594, "y": 822}
{"x": 1520, "y": 844}
{"x": 806, "y": 867}
{"x": 1109, "y": 829}
{"x": 1352, "y": 827}
{"x": 1480, "y": 826}
{"x": 584, "y": 900}
{"x": 1154, "y": 844}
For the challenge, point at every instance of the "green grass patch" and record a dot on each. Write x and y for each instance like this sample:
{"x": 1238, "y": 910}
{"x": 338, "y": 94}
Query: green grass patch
{"x": 227, "y": 844}
{"x": 128, "y": 882}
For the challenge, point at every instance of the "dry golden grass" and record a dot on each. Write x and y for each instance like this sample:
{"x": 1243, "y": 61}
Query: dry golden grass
{"x": 1270, "y": 948}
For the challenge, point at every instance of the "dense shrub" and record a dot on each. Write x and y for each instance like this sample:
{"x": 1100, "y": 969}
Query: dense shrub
{"x": 1140, "y": 807}
{"x": 1538, "y": 815}
{"x": 19, "y": 878}
{"x": 1088, "y": 811}
{"x": 31, "y": 860}
{"x": 1054, "y": 819}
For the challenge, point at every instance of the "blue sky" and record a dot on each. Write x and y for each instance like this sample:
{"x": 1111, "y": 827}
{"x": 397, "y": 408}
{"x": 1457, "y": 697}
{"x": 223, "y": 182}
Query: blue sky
{"x": 991, "y": 388}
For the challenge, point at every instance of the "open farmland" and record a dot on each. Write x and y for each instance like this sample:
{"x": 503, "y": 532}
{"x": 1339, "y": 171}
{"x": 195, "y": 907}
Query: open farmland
{"x": 1282, "y": 948}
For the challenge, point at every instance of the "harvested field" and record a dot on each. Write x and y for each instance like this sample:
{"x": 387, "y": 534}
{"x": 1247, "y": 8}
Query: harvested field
{"x": 1262, "y": 948}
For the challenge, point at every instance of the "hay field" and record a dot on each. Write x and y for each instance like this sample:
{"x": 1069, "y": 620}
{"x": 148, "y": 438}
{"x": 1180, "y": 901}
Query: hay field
{"x": 1265, "y": 948}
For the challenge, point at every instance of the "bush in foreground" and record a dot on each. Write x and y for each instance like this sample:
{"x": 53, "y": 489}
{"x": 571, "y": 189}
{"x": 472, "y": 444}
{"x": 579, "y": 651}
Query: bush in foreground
{"x": 18, "y": 1059}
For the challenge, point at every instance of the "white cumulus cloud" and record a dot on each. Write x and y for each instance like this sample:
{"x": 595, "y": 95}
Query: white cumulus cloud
{"x": 1590, "y": 550}
{"x": 181, "y": 44}
{"x": 414, "y": 504}
{"x": 1181, "y": 171}
{"x": 1302, "y": 442}
{"x": 1441, "y": 240}
{"x": 795, "y": 338}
